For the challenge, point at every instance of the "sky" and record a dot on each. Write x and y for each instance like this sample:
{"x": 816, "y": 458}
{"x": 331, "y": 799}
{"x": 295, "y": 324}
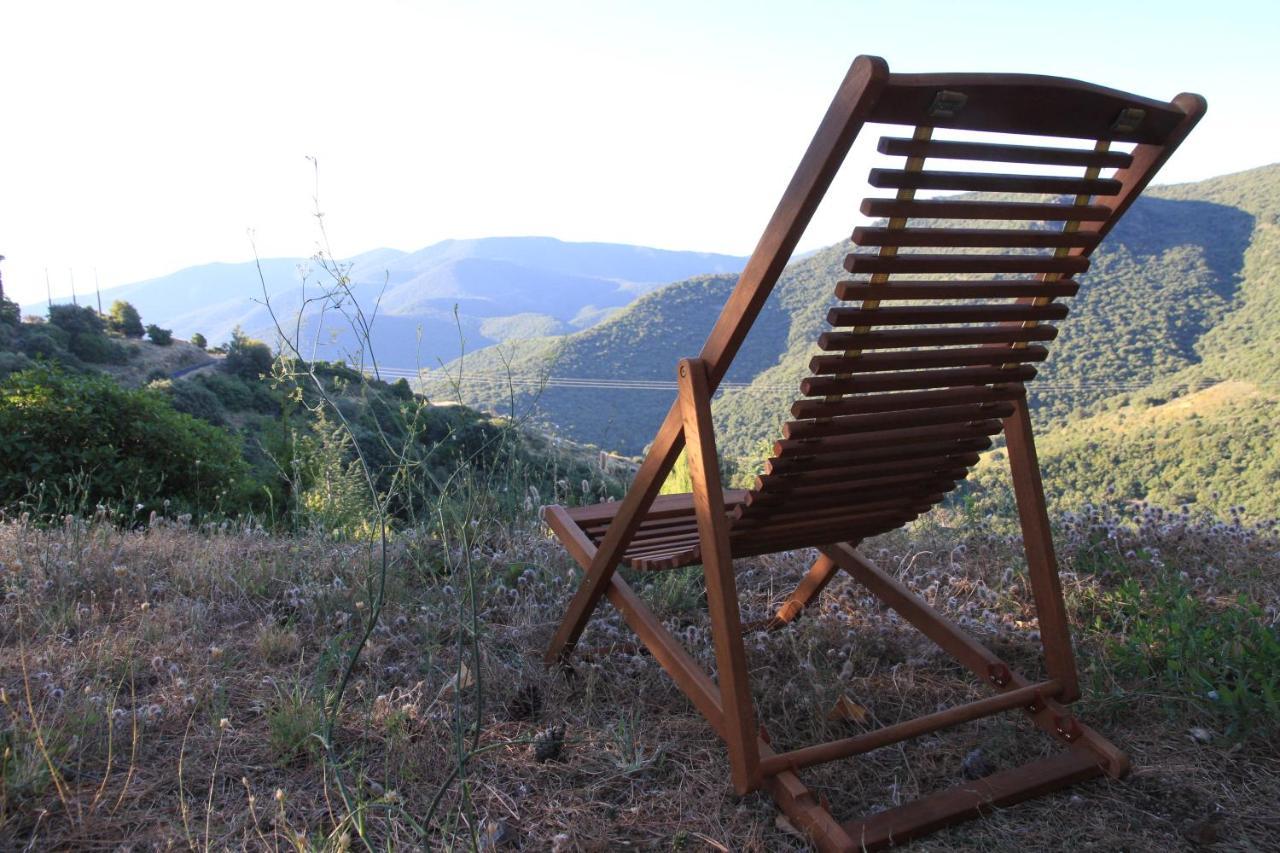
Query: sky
{"x": 140, "y": 138}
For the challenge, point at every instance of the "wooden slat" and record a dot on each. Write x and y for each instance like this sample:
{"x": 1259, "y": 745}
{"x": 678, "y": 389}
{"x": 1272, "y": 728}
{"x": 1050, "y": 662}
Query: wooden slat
{"x": 863, "y": 469}
{"x": 1027, "y": 104}
{"x": 920, "y": 315}
{"x": 943, "y": 208}
{"x": 961, "y": 264}
{"x": 765, "y": 514}
{"x": 664, "y": 506}
{"x": 898, "y": 732}
{"x": 995, "y": 152}
{"x": 902, "y": 338}
{"x": 875, "y": 362}
{"x": 907, "y": 400}
{"x": 791, "y": 465}
{"x": 958, "y": 427}
{"x": 972, "y": 799}
{"x": 915, "y": 380}
{"x": 927, "y": 414}
{"x": 926, "y": 481}
{"x": 924, "y": 491}
{"x": 995, "y": 289}
{"x": 987, "y": 182}
{"x": 1012, "y": 238}
{"x": 859, "y": 471}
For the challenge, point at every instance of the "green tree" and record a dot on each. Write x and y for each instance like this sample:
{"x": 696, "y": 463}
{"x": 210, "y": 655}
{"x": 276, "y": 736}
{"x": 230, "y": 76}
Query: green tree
{"x": 198, "y": 340}
{"x": 160, "y": 337}
{"x": 246, "y": 357}
{"x": 124, "y": 319}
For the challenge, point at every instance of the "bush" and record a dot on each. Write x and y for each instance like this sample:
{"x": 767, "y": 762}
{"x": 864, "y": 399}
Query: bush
{"x": 195, "y": 399}
{"x": 75, "y": 320}
{"x": 247, "y": 358}
{"x": 98, "y": 349}
{"x": 160, "y": 337}
{"x": 198, "y": 340}
{"x": 120, "y": 445}
{"x": 123, "y": 319}
{"x": 238, "y": 395}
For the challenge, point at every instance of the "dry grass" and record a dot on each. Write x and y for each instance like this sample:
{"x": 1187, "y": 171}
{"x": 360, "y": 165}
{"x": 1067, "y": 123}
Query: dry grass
{"x": 163, "y": 687}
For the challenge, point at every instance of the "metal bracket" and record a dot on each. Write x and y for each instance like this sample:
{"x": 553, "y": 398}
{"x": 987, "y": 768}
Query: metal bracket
{"x": 946, "y": 104}
{"x": 1129, "y": 120}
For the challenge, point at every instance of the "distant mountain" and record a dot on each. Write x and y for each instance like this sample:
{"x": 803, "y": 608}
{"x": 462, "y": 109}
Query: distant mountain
{"x": 1184, "y": 294}
{"x": 500, "y": 287}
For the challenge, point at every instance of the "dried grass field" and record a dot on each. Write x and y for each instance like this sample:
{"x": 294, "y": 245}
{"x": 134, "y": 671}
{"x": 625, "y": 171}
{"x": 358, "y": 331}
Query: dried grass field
{"x": 167, "y": 687}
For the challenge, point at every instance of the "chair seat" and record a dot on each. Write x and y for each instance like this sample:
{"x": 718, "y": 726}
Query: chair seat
{"x": 668, "y": 536}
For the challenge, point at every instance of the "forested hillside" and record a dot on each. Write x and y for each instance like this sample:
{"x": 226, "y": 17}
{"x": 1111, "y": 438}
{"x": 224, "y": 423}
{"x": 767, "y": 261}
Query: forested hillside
{"x": 1184, "y": 293}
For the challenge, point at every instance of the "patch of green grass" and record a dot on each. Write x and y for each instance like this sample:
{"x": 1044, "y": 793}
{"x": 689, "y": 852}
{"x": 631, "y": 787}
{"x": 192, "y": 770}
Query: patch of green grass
{"x": 294, "y": 723}
{"x": 1221, "y": 655}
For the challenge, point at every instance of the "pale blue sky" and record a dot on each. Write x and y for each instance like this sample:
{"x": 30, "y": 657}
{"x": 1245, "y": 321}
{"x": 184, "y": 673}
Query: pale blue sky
{"x": 144, "y": 137}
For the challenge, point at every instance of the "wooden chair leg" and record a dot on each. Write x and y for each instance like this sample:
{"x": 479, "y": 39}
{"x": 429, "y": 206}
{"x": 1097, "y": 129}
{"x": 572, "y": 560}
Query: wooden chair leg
{"x": 722, "y": 592}
{"x": 1042, "y": 563}
{"x": 805, "y": 593}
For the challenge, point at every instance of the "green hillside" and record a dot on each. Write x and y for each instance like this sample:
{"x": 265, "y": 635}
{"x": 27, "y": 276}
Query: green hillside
{"x": 1182, "y": 292}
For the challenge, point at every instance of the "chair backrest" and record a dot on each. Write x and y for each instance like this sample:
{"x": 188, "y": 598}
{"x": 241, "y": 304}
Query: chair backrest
{"x": 952, "y": 299}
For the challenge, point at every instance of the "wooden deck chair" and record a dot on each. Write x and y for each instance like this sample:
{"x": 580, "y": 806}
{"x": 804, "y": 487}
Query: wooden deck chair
{"x": 916, "y": 377}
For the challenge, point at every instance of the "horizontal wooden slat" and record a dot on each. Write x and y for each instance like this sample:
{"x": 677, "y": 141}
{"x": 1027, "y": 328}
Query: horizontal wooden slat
{"x": 915, "y": 380}
{"x": 995, "y": 152}
{"x": 829, "y": 531}
{"x": 958, "y": 264}
{"x": 902, "y": 338}
{"x": 843, "y": 473}
{"x": 964, "y": 289}
{"x": 788, "y": 465}
{"x": 1009, "y": 211}
{"x": 765, "y": 516}
{"x": 958, "y": 427}
{"x": 925, "y": 492}
{"x": 663, "y": 506}
{"x": 1031, "y": 104}
{"x": 862, "y": 469}
{"x": 875, "y": 362}
{"x": 926, "y": 481}
{"x": 986, "y": 182}
{"x": 924, "y": 415}
{"x": 971, "y": 799}
{"x": 1013, "y": 238}
{"x": 920, "y": 315}
{"x": 904, "y": 401}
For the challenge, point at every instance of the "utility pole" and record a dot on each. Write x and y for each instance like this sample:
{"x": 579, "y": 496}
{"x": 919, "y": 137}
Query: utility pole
{"x": 98, "y": 288}
{"x": 72, "y": 275}
{"x": 1, "y": 283}
{"x": 48, "y": 288}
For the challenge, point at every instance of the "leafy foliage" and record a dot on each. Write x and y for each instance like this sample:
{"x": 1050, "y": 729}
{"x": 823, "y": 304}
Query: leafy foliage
{"x": 246, "y": 357}
{"x": 117, "y": 446}
{"x": 198, "y": 340}
{"x": 158, "y": 336}
{"x": 124, "y": 319}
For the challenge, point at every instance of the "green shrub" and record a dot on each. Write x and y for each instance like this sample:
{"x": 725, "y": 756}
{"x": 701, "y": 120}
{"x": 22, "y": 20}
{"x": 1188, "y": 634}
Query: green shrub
{"x": 247, "y": 358}
{"x": 198, "y": 340}
{"x": 239, "y": 395}
{"x": 158, "y": 336}
{"x": 195, "y": 399}
{"x": 77, "y": 320}
{"x": 1224, "y": 656}
{"x": 98, "y": 349}
{"x": 10, "y": 312}
{"x": 123, "y": 319}
{"x": 121, "y": 445}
